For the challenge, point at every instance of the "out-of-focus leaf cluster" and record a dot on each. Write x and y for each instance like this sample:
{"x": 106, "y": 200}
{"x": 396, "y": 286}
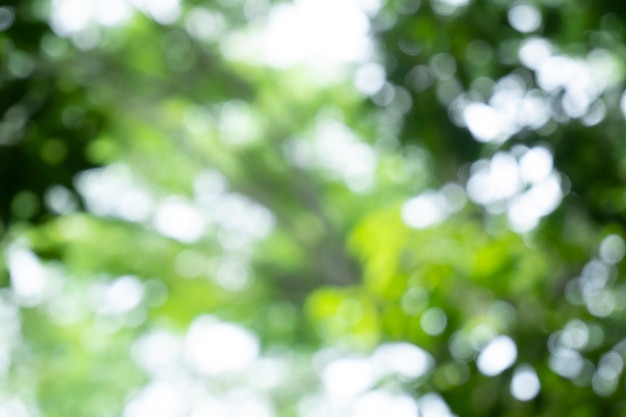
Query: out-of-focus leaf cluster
{"x": 188, "y": 230}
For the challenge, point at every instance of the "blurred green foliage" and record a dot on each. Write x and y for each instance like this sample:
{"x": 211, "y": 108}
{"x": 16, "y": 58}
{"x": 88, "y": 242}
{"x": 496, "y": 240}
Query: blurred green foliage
{"x": 191, "y": 229}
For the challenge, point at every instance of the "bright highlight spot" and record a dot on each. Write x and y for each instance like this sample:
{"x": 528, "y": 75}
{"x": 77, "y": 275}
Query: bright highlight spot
{"x": 540, "y": 200}
{"x": 575, "y": 335}
{"x": 425, "y": 210}
{"x": 204, "y": 24}
{"x": 345, "y": 378}
{"x": 234, "y": 404}
{"x": 447, "y": 7}
{"x": 534, "y": 52}
{"x": 612, "y": 249}
{"x": 566, "y": 362}
{"x": 213, "y": 347}
{"x": 370, "y": 78}
{"x": 72, "y": 16}
{"x": 521, "y": 183}
{"x": 404, "y": 359}
{"x": 379, "y": 403}
{"x": 432, "y": 405}
{"x": 180, "y": 220}
{"x": 499, "y": 354}
{"x": 525, "y": 384}
{"x": 7, "y": 16}
{"x": 157, "y": 351}
{"x": 495, "y": 181}
{"x": 484, "y": 122}
{"x": 535, "y": 164}
{"x": 241, "y": 218}
{"x": 433, "y": 207}
{"x": 339, "y": 152}
{"x": 610, "y": 366}
{"x": 28, "y": 277}
{"x": 114, "y": 191}
{"x": 60, "y": 200}
{"x": 160, "y": 398}
{"x": 162, "y": 11}
{"x": 434, "y": 321}
{"x": 524, "y": 17}
{"x": 117, "y": 297}
{"x": 317, "y": 32}
{"x": 13, "y": 406}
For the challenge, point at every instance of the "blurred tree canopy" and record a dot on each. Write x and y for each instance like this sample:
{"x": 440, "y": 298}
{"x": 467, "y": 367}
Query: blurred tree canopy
{"x": 312, "y": 208}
